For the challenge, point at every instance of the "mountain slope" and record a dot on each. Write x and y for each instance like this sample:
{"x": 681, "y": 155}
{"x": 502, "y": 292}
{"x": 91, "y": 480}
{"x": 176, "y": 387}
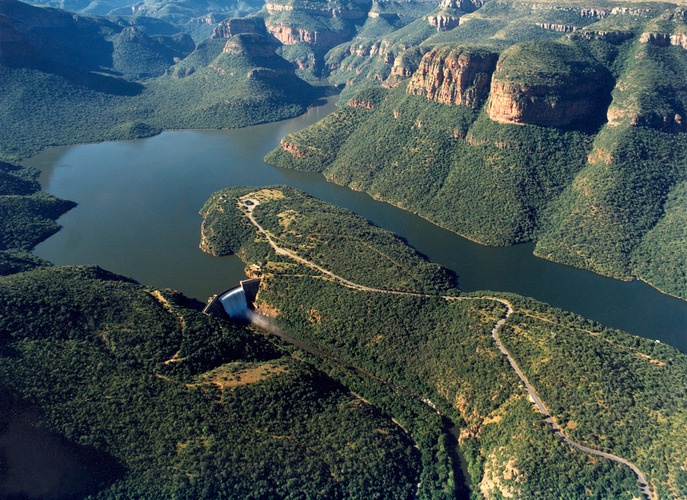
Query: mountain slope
{"x": 173, "y": 402}
{"x": 575, "y": 144}
{"x": 606, "y": 389}
{"x": 94, "y": 78}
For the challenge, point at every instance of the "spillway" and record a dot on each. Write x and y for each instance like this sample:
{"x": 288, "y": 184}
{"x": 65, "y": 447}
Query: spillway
{"x": 234, "y": 303}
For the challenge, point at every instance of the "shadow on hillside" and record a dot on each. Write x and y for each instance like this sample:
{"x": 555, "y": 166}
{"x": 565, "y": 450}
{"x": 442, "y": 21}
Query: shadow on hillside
{"x": 37, "y": 463}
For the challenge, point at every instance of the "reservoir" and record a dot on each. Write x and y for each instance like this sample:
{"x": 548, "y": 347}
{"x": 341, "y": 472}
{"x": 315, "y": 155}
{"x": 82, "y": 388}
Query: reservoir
{"x": 137, "y": 215}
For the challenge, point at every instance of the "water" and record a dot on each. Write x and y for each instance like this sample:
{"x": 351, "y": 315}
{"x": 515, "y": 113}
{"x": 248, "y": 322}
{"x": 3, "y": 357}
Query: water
{"x": 234, "y": 303}
{"x": 138, "y": 216}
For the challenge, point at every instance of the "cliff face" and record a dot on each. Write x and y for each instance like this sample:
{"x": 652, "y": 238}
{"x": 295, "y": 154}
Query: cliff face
{"x": 454, "y": 76}
{"x": 548, "y": 83}
{"x": 665, "y": 39}
{"x": 326, "y": 9}
{"x": 250, "y": 45}
{"x": 232, "y": 27}
{"x": 322, "y": 24}
{"x": 443, "y": 20}
{"x": 464, "y": 5}
{"x": 291, "y": 35}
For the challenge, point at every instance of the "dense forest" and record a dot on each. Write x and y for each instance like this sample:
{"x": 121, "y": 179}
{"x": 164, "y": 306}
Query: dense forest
{"x": 335, "y": 238}
{"x": 143, "y": 396}
{"x": 27, "y": 217}
{"x": 371, "y": 375}
{"x": 609, "y": 390}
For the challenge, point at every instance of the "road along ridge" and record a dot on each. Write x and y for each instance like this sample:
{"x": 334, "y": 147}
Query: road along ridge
{"x": 643, "y": 483}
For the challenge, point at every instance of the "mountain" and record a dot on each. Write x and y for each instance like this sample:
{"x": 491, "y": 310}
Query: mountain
{"x": 56, "y": 41}
{"x": 575, "y": 142}
{"x": 195, "y": 17}
{"x": 107, "y": 79}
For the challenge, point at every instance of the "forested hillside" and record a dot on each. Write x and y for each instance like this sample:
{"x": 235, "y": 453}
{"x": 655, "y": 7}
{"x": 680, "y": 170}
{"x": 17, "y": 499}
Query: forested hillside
{"x": 27, "y": 217}
{"x": 69, "y": 79}
{"x": 607, "y": 389}
{"x": 577, "y": 143}
{"x": 140, "y": 395}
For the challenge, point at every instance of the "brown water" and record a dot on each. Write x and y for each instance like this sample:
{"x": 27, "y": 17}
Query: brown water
{"x": 138, "y": 216}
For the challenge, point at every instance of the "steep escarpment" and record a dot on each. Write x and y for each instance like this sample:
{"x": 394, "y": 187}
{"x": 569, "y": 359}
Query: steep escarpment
{"x": 652, "y": 91}
{"x": 454, "y": 75}
{"x": 378, "y": 50}
{"x": 548, "y": 83}
{"x": 309, "y": 29}
{"x": 451, "y": 164}
{"x": 579, "y": 147}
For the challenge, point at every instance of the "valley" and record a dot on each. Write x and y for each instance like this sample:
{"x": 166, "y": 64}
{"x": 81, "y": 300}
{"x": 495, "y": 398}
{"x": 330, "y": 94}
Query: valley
{"x": 392, "y": 358}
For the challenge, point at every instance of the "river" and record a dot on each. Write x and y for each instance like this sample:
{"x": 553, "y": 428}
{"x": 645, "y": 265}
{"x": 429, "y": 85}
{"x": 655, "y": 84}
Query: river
{"x": 138, "y": 216}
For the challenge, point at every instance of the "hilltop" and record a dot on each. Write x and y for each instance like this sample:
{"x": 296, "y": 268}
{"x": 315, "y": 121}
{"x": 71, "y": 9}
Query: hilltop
{"x": 139, "y": 394}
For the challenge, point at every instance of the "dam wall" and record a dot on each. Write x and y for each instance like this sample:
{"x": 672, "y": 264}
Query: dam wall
{"x": 236, "y": 302}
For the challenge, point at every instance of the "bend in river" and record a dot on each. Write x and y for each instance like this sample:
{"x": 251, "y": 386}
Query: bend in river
{"x": 138, "y": 216}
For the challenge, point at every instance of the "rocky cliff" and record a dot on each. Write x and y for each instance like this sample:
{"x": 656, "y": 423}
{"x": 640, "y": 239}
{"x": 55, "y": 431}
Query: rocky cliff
{"x": 665, "y": 39}
{"x": 232, "y": 27}
{"x": 444, "y": 20}
{"x": 548, "y": 83}
{"x": 289, "y": 34}
{"x": 454, "y": 75}
{"x": 250, "y": 45}
{"x": 464, "y": 5}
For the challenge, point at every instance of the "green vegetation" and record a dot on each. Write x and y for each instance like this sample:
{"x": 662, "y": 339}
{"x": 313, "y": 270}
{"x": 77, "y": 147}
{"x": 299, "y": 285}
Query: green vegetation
{"x": 443, "y": 162}
{"x": 176, "y": 403}
{"x": 587, "y": 197}
{"x": 27, "y": 217}
{"x": 86, "y": 83}
{"x": 366, "y": 61}
{"x": 660, "y": 257}
{"x": 614, "y": 201}
{"x": 183, "y": 14}
{"x": 329, "y": 236}
{"x": 607, "y": 389}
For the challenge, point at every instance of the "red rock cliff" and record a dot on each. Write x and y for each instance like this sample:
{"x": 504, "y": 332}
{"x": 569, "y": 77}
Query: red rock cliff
{"x": 454, "y": 75}
{"x": 547, "y": 83}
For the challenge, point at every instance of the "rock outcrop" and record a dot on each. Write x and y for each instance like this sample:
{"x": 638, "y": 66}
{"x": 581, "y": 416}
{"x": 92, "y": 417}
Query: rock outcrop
{"x": 664, "y": 39}
{"x": 250, "y": 45}
{"x": 463, "y": 5}
{"x": 291, "y": 35}
{"x": 232, "y": 27}
{"x": 615, "y": 37}
{"x": 326, "y": 9}
{"x": 443, "y": 20}
{"x": 454, "y": 75}
{"x": 550, "y": 84}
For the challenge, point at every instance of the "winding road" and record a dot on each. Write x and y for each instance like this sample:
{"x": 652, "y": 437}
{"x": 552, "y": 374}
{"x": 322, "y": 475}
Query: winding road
{"x": 249, "y": 204}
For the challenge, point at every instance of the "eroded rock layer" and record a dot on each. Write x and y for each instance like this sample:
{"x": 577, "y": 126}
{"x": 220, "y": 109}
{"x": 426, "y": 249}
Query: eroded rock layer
{"x": 454, "y": 75}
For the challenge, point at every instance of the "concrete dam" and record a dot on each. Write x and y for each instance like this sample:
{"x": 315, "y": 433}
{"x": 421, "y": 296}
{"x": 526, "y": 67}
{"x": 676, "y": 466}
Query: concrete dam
{"x": 235, "y": 302}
